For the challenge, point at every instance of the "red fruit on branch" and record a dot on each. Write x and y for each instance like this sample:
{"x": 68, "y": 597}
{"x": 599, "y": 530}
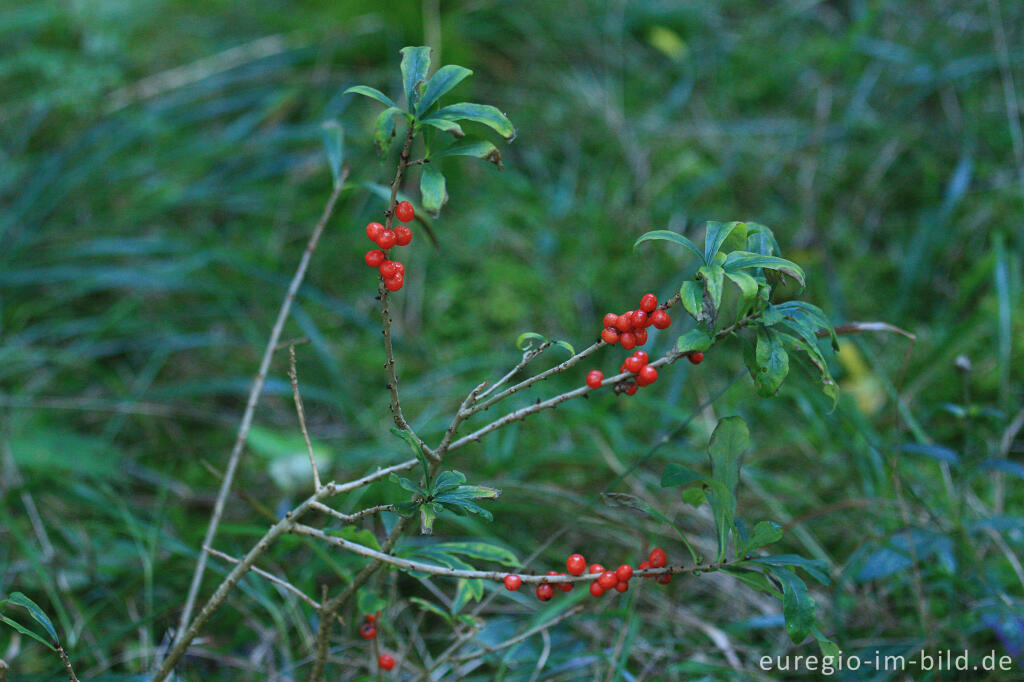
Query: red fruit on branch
{"x": 386, "y": 661}
{"x": 608, "y": 580}
{"x": 374, "y": 257}
{"x": 394, "y": 283}
{"x": 622, "y": 586}
{"x": 631, "y": 388}
{"x": 374, "y": 230}
{"x": 403, "y": 235}
{"x": 566, "y": 587}
{"x": 623, "y": 323}
{"x": 545, "y": 592}
{"x": 641, "y": 336}
{"x": 639, "y": 319}
{"x": 628, "y": 340}
{"x": 658, "y": 558}
{"x": 609, "y": 319}
{"x": 642, "y": 355}
{"x": 624, "y": 573}
{"x": 576, "y": 564}
{"x": 512, "y": 582}
{"x": 594, "y": 378}
{"x": 595, "y": 568}
{"x": 386, "y": 239}
{"x": 609, "y": 335}
{"x": 696, "y": 358}
{"x": 648, "y": 302}
{"x": 387, "y": 269}
{"x": 665, "y": 578}
{"x": 647, "y": 376}
{"x": 660, "y": 319}
{"x": 634, "y": 364}
{"x": 596, "y": 589}
{"x": 404, "y": 211}
{"x": 367, "y": 631}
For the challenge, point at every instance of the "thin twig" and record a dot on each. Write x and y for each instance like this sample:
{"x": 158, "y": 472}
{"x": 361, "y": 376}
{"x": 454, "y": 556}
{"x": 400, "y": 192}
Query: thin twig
{"x": 460, "y": 416}
{"x": 528, "y": 356}
{"x": 350, "y": 518}
{"x": 250, "y": 408}
{"x": 293, "y": 375}
{"x": 269, "y": 576}
{"x": 67, "y": 663}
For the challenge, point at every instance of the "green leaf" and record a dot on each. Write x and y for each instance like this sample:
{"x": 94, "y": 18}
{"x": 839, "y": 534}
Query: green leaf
{"x": 467, "y": 590}
{"x": 827, "y": 646}
{"x": 713, "y": 277}
{"x": 723, "y": 508}
{"x": 369, "y": 602}
{"x": 736, "y": 240}
{"x": 761, "y": 240}
{"x": 447, "y": 480}
{"x": 446, "y": 78}
{"x": 715, "y": 236}
{"x": 755, "y": 579}
{"x": 384, "y": 129}
{"x": 444, "y": 125}
{"x": 481, "y": 149}
{"x": 744, "y": 260}
{"x": 828, "y": 384}
{"x": 428, "y": 514}
{"x": 360, "y": 536}
{"x": 372, "y": 93}
{"x": 462, "y": 506}
{"x": 729, "y": 441}
{"x": 676, "y": 474}
{"x": 406, "y": 509}
{"x": 37, "y": 614}
{"x": 521, "y": 342}
{"x": 479, "y": 550}
{"x": 478, "y": 113}
{"x": 334, "y": 144}
{"x": 772, "y": 362}
{"x": 407, "y": 485}
{"x": 765, "y": 533}
{"x": 416, "y": 450}
{"x": 807, "y": 319}
{"x": 567, "y": 346}
{"x": 691, "y": 295}
{"x": 432, "y": 190}
{"x": 815, "y": 568}
{"x": 747, "y": 286}
{"x": 668, "y": 236}
{"x": 694, "y": 340}
{"x": 433, "y": 608}
{"x": 415, "y": 64}
{"x": 25, "y": 631}
{"x": 797, "y": 604}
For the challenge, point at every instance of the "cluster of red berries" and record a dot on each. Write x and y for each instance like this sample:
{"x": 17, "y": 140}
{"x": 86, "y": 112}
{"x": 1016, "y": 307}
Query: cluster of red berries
{"x": 368, "y": 630}
{"x": 617, "y": 580}
{"x": 392, "y": 271}
{"x": 630, "y": 328}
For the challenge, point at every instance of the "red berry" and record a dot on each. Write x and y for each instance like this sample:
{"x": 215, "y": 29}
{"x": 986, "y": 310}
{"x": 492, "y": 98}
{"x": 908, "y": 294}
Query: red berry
{"x": 371, "y": 618}
{"x": 623, "y": 323}
{"x": 658, "y": 557}
{"x": 609, "y": 335}
{"x": 374, "y": 230}
{"x": 367, "y": 630}
{"x": 634, "y": 364}
{"x": 596, "y": 589}
{"x": 394, "y": 283}
{"x": 641, "y": 336}
{"x": 399, "y": 268}
{"x": 631, "y": 388}
{"x": 512, "y": 582}
{"x": 576, "y": 564}
{"x": 609, "y": 319}
{"x": 387, "y": 269}
{"x": 404, "y": 211}
{"x": 624, "y": 573}
{"x": 386, "y": 239}
{"x": 595, "y": 568}
{"x": 403, "y": 235}
{"x": 696, "y": 358}
{"x": 566, "y": 587}
{"x": 386, "y": 661}
{"x": 648, "y": 302}
{"x": 628, "y": 340}
{"x": 374, "y": 257}
{"x": 665, "y": 578}
{"x": 643, "y": 566}
{"x": 660, "y": 319}
{"x": 608, "y": 580}
{"x": 642, "y": 355}
{"x": 639, "y": 319}
{"x": 647, "y": 376}
{"x": 594, "y": 378}
{"x": 622, "y": 586}
{"x": 545, "y": 592}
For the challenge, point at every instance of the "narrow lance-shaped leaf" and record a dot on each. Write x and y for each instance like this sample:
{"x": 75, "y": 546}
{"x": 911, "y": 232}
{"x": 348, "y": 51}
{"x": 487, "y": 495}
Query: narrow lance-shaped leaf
{"x": 729, "y": 441}
{"x": 432, "y": 190}
{"x": 691, "y": 295}
{"x": 478, "y": 113}
{"x": 713, "y": 277}
{"x": 772, "y": 362}
{"x": 693, "y": 341}
{"x": 669, "y": 236}
{"x": 334, "y": 144}
{"x": 797, "y": 604}
{"x": 34, "y": 610}
{"x": 446, "y": 78}
{"x": 415, "y": 64}
{"x": 743, "y": 260}
{"x": 372, "y": 93}
{"x": 444, "y": 125}
{"x": 715, "y": 236}
{"x": 764, "y": 533}
{"x": 384, "y": 129}
{"x": 481, "y": 149}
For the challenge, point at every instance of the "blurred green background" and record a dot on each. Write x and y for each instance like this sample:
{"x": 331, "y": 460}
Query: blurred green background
{"x": 160, "y": 171}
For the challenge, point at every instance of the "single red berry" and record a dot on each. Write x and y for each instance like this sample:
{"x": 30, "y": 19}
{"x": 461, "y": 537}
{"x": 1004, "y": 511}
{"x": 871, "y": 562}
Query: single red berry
{"x": 386, "y": 239}
{"x": 387, "y": 269}
{"x": 609, "y": 335}
{"x": 399, "y": 268}
{"x": 665, "y": 578}
{"x": 374, "y": 230}
{"x": 608, "y": 580}
{"x": 628, "y": 340}
{"x": 609, "y": 319}
{"x": 622, "y": 586}
{"x": 648, "y": 302}
{"x": 634, "y": 364}
{"x": 545, "y": 592}
{"x": 660, "y": 319}
{"x": 394, "y": 283}
{"x": 512, "y": 582}
{"x": 368, "y": 630}
{"x": 595, "y": 568}
{"x": 566, "y": 587}
{"x": 596, "y": 589}
{"x": 594, "y": 378}
{"x": 403, "y": 235}
{"x": 696, "y": 358}
{"x": 647, "y": 376}
{"x": 639, "y": 319}
{"x": 374, "y": 257}
{"x": 658, "y": 558}
{"x": 623, "y": 323}
{"x": 624, "y": 572}
{"x": 576, "y": 564}
{"x": 404, "y": 211}
{"x": 371, "y": 618}
{"x": 631, "y": 388}
{"x": 386, "y": 661}
{"x": 642, "y": 355}
{"x": 641, "y": 336}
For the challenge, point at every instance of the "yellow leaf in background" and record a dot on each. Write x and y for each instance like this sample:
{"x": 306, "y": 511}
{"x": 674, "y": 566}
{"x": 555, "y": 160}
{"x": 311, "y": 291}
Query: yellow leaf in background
{"x": 668, "y": 42}
{"x": 859, "y": 380}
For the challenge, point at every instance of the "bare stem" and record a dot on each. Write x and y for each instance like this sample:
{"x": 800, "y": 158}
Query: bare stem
{"x": 67, "y": 664}
{"x": 293, "y": 375}
{"x": 269, "y": 576}
{"x": 351, "y": 518}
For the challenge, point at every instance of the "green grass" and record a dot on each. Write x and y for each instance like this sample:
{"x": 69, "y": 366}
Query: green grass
{"x": 144, "y": 252}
